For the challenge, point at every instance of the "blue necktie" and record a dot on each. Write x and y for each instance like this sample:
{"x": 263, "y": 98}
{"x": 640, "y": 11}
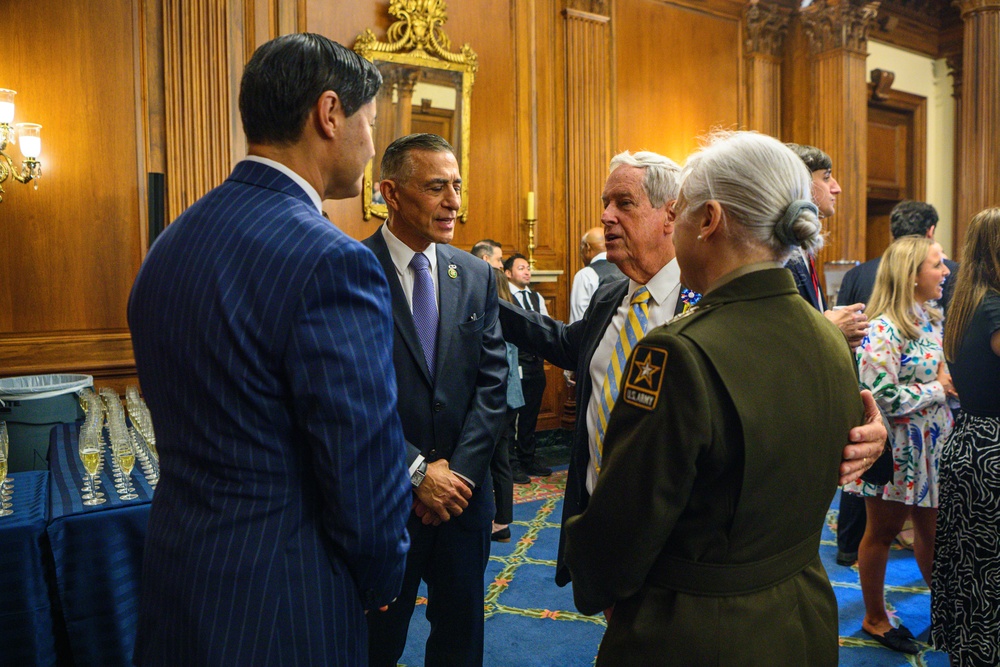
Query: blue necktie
{"x": 425, "y": 313}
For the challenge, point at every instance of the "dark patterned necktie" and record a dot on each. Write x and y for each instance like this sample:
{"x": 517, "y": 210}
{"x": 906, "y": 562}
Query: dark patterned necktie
{"x": 425, "y": 313}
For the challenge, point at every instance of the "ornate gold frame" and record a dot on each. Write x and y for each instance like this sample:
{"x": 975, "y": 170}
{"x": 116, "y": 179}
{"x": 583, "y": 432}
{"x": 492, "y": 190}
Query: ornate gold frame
{"x": 417, "y": 38}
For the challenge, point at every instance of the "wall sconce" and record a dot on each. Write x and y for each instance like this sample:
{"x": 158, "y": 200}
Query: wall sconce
{"x": 31, "y": 144}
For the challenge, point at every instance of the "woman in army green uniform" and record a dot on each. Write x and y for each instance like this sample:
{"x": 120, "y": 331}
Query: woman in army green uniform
{"x": 721, "y": 456}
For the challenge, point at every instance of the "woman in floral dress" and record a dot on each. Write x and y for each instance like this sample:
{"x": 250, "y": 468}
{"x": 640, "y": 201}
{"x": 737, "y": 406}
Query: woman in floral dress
{"x": 902, "y": 362}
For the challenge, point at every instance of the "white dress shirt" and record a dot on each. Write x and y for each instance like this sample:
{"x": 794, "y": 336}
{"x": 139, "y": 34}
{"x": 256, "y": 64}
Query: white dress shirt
{"x": 664, "y": 290}
{"x": 522, "y": 298}
{"x": 585, "y": 283}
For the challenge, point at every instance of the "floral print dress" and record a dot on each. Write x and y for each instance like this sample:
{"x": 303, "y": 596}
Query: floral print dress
{"x": 902, "y": 375}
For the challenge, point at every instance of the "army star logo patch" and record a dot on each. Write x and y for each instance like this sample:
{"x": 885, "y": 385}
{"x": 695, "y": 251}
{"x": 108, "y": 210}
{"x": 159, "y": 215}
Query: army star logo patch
{"x": 645, "y": 377}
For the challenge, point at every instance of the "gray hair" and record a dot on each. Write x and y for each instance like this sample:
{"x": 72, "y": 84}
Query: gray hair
{"x": 661, "y": 181}
{"x": 762, "y": 185}
{"x": 396, "y": 164}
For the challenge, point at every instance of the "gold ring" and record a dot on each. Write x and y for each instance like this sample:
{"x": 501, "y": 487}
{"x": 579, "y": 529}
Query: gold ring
{"x": 864, "y": 461}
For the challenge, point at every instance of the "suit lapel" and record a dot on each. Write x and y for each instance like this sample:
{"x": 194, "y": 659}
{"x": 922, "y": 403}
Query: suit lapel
{"x": 450, "y": 291}
{"x": 401, "y": 314}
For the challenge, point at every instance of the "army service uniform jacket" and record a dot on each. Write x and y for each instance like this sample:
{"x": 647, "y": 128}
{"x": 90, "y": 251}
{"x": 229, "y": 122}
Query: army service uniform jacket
{"x": 721, "y": 458}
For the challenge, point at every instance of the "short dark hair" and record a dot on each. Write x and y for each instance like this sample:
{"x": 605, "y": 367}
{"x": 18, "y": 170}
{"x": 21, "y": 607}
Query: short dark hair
{"x": 814, "y": 158}
{"x": 508, "y": 264}
{"x": 286, "y": 76}
{"x": 485, "y": 247}
{"x": 912, "y": 218}
{"x": 395, "y": 161}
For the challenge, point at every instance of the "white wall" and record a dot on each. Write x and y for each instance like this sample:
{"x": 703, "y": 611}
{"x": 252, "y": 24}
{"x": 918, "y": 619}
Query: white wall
{"x": 921, "y": 75}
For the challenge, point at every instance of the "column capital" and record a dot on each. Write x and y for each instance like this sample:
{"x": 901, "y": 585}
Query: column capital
{"x": 766, "y": 27}
{"x": 966, "y": 7}
{"x": 839, "y": 24}
{"x": 955, "y": 69}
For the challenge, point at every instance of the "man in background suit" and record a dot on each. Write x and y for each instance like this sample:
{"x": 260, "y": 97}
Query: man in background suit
{"x": 531, "y": 368}
{"x": 451, "y": 361}
{"x": 262, "y": 338}
{"x": 636, "y": 197}
{"x": 850, "y": 319}
{"x": 489, "y": 251}
{"x": 908, "y": 218}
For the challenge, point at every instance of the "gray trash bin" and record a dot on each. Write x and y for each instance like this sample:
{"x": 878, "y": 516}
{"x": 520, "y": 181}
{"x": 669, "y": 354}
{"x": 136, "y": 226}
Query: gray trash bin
{"x": 31, "y": 405}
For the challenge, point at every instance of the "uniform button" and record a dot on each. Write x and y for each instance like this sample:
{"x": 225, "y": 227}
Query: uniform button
{"x": 438, "y": 406}
{"x": 432, "y": 454}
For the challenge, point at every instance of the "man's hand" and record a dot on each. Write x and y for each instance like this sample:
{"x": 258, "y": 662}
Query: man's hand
{"x": 442, "y": 492}
{"x": 867, "y": 442}
{"x": 426, "y": 516}
{"x": 852, "y": 321}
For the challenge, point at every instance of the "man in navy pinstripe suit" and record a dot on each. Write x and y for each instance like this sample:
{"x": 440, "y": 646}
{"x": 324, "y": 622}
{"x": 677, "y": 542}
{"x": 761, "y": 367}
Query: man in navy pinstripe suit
{"x": 263, "y": 338}
{"x": 451, "y": 361}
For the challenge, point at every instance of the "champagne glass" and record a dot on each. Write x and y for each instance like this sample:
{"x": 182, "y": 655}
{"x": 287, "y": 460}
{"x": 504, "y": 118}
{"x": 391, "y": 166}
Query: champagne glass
{"x": 4, "y": 507}
{"x": 90, "y": 455}
{"x": 125, "y": 457}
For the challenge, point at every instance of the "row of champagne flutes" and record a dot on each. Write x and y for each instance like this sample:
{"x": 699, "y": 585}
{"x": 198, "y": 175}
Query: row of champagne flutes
{"x": 142, "y": 434}
{"x": 121, "y": 444}
{"x": 6, "y": 484}
{"x": 91, "y": 445}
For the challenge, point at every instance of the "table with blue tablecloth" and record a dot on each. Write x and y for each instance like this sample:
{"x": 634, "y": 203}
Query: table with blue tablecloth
{"x": 26, "y": 630}
{"x": 97, "y": 553}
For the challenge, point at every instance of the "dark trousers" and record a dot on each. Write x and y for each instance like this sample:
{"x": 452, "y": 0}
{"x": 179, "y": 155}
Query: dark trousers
{"x": 851, "y": 523}
{"x": 452, "y": 560}
{"x": 533, "y": 387}
{"x": 500, "y": 468}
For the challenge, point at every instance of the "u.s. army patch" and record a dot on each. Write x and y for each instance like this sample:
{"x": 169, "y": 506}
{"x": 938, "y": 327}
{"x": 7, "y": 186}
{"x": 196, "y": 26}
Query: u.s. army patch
{"x": 644, "y": 377}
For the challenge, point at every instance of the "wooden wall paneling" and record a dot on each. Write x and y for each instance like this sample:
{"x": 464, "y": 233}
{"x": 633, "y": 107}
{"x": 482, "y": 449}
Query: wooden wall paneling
{"x": 588, "y": 121}
{"x": 765, "y": 27}
{"x": 958, "y": 231}
{"x": 797, "y": 99}
{"x": 979, "y": 146}
{"x": 199, "y": 114}
{"x": 671, "y": 91}
{"x": 838, "y": 36}
{"x": 70, "y": 250}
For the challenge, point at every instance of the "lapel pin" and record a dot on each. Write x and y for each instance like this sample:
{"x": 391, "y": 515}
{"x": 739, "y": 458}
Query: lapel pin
{"x": 452, "y": 271}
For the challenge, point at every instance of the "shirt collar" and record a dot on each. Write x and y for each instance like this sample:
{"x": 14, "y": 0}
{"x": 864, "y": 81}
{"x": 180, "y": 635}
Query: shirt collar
{"x": 301, "y": 182}
{"x": 402, "y": 254}
{"x": 662, "y": 284}
{"x": 599, "y": 256}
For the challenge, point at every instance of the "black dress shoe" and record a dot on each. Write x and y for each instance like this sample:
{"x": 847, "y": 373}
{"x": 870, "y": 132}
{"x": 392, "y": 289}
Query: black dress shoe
{"x": 897, "y": 640}
{"x": 846, "y": 559}
{"x": 537, "y": 470}
{"x": 502, "y": 535}
{"x": 519, "y": 476}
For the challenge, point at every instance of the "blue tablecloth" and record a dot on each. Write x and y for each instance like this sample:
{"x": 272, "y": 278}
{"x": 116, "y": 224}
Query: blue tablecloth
{"x": 26, "y": 635}
{"x": 98, "y": 555}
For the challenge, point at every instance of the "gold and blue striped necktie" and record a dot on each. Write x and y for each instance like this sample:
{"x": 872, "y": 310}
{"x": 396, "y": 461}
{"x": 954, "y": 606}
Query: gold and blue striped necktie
{"x": 632, "y": 331}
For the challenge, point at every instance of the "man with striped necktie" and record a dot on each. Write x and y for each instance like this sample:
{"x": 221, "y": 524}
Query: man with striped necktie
{"x": 637, "y": 194}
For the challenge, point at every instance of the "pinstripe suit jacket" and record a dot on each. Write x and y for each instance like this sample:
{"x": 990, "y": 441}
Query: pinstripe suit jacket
{"x": 263, "y": 341}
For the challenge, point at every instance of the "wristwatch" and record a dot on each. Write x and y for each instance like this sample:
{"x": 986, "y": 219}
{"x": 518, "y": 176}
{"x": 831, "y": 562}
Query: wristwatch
{"x": 418, "y": 475}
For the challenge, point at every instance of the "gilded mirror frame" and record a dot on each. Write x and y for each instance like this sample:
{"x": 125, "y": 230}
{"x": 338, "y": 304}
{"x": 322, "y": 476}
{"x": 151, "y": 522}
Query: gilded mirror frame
{"x": 417, "y": 40}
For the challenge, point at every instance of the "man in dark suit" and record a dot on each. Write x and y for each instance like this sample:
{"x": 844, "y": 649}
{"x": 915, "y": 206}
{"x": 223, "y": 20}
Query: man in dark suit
{"x": 908, "y": 218}
{"x": 636, "y": 197}
{"x": 531, "y": 369}
{"x": 262, "y": 338}
{"x": 450, "y": 360}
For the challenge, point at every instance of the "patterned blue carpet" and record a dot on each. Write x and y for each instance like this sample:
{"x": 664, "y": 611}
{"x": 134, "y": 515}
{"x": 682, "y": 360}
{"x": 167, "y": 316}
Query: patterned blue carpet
{"x": 531, "y": 622}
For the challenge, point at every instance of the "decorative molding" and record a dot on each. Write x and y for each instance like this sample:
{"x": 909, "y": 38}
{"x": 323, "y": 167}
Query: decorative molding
{"x": 967, "y": 7}
{"x": 419, "y": 30}
{"x": 834, "y": 25}
{"x": 881, "y": 83}
{"x": 765, "y": 29}
{"x": 955, "y": 70}
{"x": 88, "y": 352}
